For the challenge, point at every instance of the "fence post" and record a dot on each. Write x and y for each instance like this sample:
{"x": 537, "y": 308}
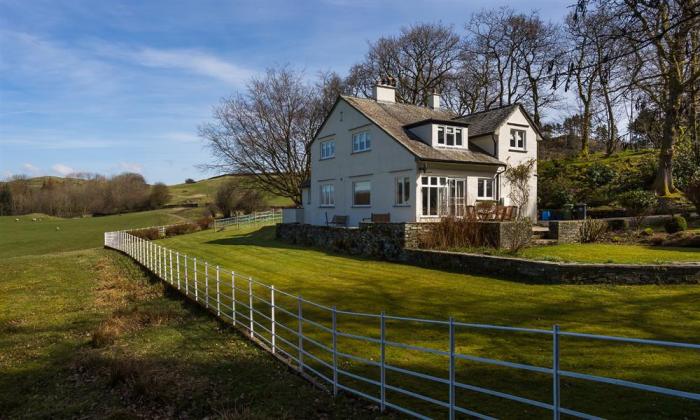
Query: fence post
{"x": 272, "y": 317}
{"x": 556, "y": 397}
{"x": 382, "y": 361}
{"x": 233, "y": 297}
{"x": 250, "y": 305}
{"x": 206, "y": 283}
{"x": 300, "y": 332}
{"x": 187, "y": 286}
{"x": 218, "y": 293}
{"x": 177, "y": 263}
{"x": 335, "y": 351}
{"x": 171, "y": 265}
{"x": 452, "y": 369}
{"x": 196, "y": 289}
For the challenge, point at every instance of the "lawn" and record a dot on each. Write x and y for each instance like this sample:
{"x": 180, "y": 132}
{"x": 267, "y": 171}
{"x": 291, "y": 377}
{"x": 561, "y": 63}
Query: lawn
{"x": 85, "y": 333}
{"x": 358, "y": 284}
{"x": 53, "y": 234}
{"x": 612, "y": 253}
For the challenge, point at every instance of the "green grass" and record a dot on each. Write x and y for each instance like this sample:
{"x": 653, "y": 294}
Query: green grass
{"x": 157, "y": 356}
{"x": 358, "y": 284}
{"x": 203, "y": 191}
{"x": 612, "y": 253}
{"x": 52, "y": 234}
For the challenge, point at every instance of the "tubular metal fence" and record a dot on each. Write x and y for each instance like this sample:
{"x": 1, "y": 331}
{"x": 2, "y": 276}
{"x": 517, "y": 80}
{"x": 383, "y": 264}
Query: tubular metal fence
{"x": 255, "y": 218}
{"x": 305, "y": 335}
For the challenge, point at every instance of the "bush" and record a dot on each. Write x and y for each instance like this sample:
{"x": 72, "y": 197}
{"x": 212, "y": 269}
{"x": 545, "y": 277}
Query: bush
{"x": 189, "y": 181}
{"x": 692, "y": 192}
{"x": 205, "y": 222}
{"x": 639, "y": 204}
{"x": 181, "y": 229}
{"x": 149, "y": 234}
{"x": 648, "y": 232}
{"x": 451, "y": 233}
{"x": 519, "y": 235}
{"x": 592, "y": 230}
{"x": 618, "y": 224}
{"x": 676, "y": 224}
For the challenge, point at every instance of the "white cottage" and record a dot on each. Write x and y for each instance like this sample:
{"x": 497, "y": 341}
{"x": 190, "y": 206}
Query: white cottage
{"x": 376, "y": 156}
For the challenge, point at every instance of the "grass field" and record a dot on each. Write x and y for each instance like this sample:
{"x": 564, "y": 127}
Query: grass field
{"x": 612, "y": 253}
{"x": 84, "y": 333}
{"x": 53, "y": 234}
{"x": 357, "y": 284}
{"x": 204, "y": 191}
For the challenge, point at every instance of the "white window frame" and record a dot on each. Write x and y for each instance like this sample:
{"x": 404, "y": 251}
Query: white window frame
{"x": 448, "y": 131}
{"x": 443, "y": 203}
{"x": 354, "y": 186}
{"x": 361, "y": 141}
{"x": 327, "y": 149}
{"x": 485, "y": 182}
{"x": 513, "y": 141}
{"x": 327, "y": 195}
{"x": 402, "y": 191}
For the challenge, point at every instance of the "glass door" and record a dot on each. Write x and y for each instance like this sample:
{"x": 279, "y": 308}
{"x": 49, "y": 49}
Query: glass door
{"x": 457, "y": 196}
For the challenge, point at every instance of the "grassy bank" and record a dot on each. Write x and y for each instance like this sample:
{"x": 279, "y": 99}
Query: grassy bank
{"x": 204, "y": 191}
{"x": 87, "y": 334}
{"x": 661, "y": 312}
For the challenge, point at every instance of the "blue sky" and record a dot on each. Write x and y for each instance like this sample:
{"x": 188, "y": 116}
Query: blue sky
{"x": 121, "y": 86}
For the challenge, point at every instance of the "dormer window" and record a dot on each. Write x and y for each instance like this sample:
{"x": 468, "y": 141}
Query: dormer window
{"x": 449, "y": 136}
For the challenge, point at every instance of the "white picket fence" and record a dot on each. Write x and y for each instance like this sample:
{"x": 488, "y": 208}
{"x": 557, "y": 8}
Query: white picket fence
{"x": 256, "y": 218}
{"x": 305, "y": 335}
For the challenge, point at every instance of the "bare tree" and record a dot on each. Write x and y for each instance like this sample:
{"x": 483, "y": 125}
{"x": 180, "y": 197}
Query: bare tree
{"x": 266, "y": 132}
{"x": 421, "y": 58}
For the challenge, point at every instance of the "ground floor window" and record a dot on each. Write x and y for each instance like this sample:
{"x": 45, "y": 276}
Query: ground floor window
{"x": 443, "y": 196}
{"x": 327, "y": 195}
{"x": 484, "y": 189}
{"x": 403, "y": 190}
{"x": 361, "y": 193}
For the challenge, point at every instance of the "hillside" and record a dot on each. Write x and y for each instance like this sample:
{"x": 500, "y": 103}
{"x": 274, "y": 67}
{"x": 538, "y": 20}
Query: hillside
{"x": 203, "y": 191}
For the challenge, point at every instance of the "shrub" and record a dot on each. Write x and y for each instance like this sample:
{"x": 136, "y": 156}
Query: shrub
{"x": 205, "y": 222}
{"x": 618, "y": 224}
{"x": 189, "y": 181}
{"x": 519, "y": 235}
{"x": 150, "y": 234}
{"x": 450, "y": 233}
{"x": 181, "y": 229}
{"x": 648, "y": 232}
{"x": 692, "y": 192}
{"x": 639, "y": 204}
{"x": 592, "y": 230}
{"x": 676, "y": 224}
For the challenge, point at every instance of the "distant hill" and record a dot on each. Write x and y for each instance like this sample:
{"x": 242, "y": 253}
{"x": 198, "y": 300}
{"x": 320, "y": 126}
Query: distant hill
{"x": 203, "y": 191}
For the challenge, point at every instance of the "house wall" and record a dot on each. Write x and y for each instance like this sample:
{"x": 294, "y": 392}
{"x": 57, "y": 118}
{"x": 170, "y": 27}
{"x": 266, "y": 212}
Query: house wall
{"x": 386, "y": 160}
{"x": 515, "y": 157}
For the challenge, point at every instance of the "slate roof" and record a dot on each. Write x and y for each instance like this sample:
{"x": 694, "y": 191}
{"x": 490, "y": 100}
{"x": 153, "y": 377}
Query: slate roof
{"x": 393, "y": 117}
{"x": 486, "y": 122}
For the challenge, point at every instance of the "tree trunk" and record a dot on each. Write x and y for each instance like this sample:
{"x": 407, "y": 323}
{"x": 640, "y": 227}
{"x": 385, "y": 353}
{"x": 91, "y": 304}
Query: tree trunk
{"x": 585, "y": 130}
{"x": 663, "y": 184}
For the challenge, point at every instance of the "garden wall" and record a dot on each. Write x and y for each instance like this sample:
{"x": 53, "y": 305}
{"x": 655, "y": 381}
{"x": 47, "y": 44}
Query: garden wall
{"x": 555, "y": 272}
{"x": 399, "y": 242}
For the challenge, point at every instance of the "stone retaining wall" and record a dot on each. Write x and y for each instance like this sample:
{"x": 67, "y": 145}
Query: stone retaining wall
{"x": 525, "y": 270}
{"x": 398, "y": 242}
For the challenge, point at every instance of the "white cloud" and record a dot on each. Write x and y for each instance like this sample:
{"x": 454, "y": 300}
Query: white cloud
{"x": 181, "y": 137}
{"x": 131, "y": 167}
{"x": 33, "y": 170}
{"x": 62, "y": 169}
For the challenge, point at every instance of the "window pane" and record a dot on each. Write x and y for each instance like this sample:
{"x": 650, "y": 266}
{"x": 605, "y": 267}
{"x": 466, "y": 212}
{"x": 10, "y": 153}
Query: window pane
{"x": 433, "y": 201}
{"x": 399, "y": 191}
{"x": 424, "y": 180}
{"x": 433, "y": 180}
{"x": 361, "y": 195}
{"x": 512, "y": 138}
{"x": 480, "y": 189}
{"x": 489, "y": 188}
{"x": 441, "y": 135}
{"x": 424, "y": 199}
{"x": 406, "y": 189}
{"x": 521, "y": 139}
{"x": 458, "y": 137}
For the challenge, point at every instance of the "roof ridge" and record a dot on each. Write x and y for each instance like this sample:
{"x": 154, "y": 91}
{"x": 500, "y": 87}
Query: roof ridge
{"x": 489, "y": 110}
